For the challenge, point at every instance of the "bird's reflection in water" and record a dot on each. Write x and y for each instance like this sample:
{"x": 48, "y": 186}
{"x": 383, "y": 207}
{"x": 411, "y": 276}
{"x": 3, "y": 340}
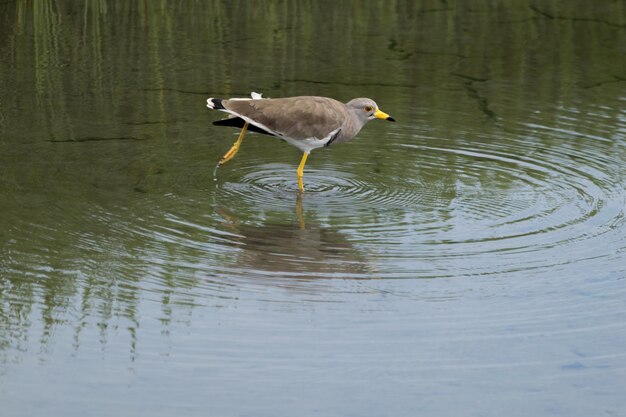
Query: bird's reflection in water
{"x": 303, "y": 250}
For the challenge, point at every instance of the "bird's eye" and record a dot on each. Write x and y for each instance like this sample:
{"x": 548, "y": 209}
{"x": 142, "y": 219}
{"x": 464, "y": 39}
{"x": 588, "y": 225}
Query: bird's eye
{"x": 368, "y": 108}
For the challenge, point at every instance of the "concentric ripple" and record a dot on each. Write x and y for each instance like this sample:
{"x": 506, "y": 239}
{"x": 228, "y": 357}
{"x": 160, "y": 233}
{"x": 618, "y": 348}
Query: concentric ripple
{"x": 327, "y": 186}
{"x": 531, "y": 199}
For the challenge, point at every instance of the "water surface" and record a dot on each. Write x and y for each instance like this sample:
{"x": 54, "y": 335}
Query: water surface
{"x": 466, "y": 260}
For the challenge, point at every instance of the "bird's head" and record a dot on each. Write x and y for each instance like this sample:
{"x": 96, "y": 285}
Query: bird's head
{"x": 366, "y": 109}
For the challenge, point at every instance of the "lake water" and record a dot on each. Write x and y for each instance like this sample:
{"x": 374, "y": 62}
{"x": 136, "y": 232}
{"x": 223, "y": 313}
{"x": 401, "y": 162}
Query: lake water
{"x": 468, "y": 260}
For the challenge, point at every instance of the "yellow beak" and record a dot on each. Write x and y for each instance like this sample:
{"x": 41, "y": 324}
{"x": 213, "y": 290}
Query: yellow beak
{"x": 382, "y": 115}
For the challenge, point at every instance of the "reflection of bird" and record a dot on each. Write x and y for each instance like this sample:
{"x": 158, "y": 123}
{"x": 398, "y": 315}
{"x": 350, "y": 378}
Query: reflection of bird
{"x": 300, "y": 251}
{"x": 305, "y": 122}
{"x": 287, "y": 250}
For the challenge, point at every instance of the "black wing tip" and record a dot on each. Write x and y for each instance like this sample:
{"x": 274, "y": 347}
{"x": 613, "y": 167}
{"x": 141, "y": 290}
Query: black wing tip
{"x": 231, "y": 122}
{"x": 239, "y": 123}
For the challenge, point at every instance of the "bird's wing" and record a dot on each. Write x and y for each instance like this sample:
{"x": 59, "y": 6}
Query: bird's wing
{"x": 294, "y": 117}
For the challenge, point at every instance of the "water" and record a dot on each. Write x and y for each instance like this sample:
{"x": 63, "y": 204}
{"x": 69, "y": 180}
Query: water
{"x": 466, "y": 260}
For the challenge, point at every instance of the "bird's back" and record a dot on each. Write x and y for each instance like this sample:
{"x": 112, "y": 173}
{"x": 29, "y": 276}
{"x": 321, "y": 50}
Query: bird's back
{"x": 302, "y": 117}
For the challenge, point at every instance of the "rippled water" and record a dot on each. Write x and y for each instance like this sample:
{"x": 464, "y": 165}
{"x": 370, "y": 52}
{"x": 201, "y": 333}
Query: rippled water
{"x": 466, "y": 260}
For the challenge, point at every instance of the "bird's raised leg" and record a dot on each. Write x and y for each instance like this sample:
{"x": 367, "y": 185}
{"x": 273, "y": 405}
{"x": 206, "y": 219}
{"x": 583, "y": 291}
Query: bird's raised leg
{"x": 300, "y": 170}
{"x": 233, "y": 150}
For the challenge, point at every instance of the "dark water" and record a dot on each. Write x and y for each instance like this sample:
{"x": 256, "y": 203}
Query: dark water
{"x": 469, "y": 259}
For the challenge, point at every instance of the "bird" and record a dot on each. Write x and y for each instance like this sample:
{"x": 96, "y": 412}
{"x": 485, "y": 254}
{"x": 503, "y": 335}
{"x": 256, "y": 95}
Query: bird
{"x": 306, "y": 122}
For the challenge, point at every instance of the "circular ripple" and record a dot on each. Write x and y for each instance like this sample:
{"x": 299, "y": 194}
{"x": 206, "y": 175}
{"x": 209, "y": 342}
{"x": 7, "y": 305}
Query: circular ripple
{"x": 531, "y": 201}
{"x": 534, "y": 199}
{"x": 330, "y": 186}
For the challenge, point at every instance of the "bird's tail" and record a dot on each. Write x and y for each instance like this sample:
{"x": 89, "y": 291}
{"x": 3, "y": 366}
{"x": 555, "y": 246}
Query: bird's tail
{"x": 214, "y": 103}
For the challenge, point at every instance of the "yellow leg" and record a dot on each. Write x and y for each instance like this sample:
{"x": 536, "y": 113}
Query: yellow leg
{"x": 300, "y": 170}
{"x": 233, "y": 150}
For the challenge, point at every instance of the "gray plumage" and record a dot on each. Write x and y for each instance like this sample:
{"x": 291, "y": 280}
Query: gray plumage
{"x": 306, "y": 122}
